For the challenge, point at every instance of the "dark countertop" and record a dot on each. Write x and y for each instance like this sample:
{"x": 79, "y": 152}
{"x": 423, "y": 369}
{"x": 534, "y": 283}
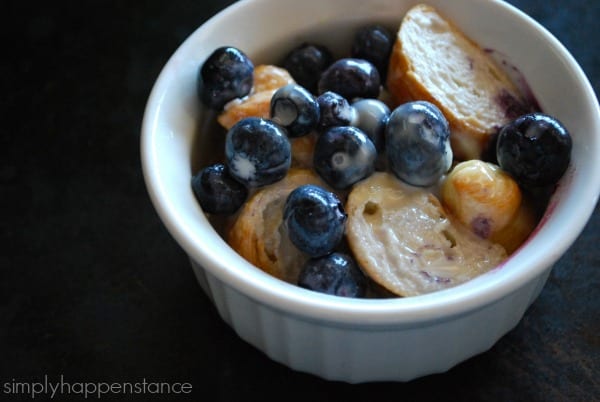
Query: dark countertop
{"x": 92, "y": 286}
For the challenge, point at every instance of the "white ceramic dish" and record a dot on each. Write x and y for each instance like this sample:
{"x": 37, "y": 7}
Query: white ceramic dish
{"x": 366, "y": 340}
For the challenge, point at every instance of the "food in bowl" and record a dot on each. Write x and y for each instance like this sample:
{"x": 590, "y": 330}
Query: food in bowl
{"x": 347, "y": 338}
{"x": 437, "y": 212}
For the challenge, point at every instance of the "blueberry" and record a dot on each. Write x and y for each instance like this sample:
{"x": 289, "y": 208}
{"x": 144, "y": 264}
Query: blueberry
{"x": 374, "y": 43}
{"x": 535, "y": 149}
{"x": 295, "y": 108}
{"x": 315, "y": 219}
{"x": 217, "y": 192}
{"x": 306, "y": 62}
{"x": 335, "y": 110}
{"x": 351, "y": 78}
{"x": 344, "y": 155}
{"x": 257, "y": 152}
{"x": 227, "y": 74}
{"x": 373, "y": 116}
{"x": 417, "y": 140}
{"x": 334, "y": 274}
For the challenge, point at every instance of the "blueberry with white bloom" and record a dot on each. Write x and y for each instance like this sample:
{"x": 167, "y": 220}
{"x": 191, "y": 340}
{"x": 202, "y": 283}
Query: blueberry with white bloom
{"x": 372, "y": 118}
{"x": 417, "y": 140}
{"x": 344, "y": 155}
{"x": 334, "y": 274}
{"x": 216, "y": 191}
{"x": 315, "y": 219}
{"x": 257, "y": 152}
{"x": 296, "y": 109}
{"x": 335, "y": 110}
{"x": 352, "y": 78}
{"x": 226, "y": 74}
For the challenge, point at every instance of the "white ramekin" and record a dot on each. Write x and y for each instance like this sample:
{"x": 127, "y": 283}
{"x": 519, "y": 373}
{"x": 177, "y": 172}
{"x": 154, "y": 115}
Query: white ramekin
{"x": 366, "y": 340}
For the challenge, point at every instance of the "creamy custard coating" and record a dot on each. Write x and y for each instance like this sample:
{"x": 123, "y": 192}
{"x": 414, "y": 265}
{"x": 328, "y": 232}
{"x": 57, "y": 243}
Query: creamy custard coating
{"x": 405, "y": 241}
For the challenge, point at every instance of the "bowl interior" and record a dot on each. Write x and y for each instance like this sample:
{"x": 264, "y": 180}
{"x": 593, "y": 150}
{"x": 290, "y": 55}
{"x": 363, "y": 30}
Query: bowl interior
{"x": 176, "y": 141}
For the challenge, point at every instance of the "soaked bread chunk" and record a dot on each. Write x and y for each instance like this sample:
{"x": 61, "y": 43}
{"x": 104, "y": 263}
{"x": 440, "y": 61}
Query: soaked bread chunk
{"x": 433, "y": 60}
{"x": 405, "y": 241}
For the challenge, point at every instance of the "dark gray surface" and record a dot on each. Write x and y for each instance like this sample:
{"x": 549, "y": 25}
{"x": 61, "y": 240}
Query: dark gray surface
{"x": 93, "y": 287}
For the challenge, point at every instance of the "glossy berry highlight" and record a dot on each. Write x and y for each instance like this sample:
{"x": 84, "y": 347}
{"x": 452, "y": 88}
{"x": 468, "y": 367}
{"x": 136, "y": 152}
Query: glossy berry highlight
{"x": 315, "y": 219}
{"x": 335, "y": 110}
{"x": 334, "y": 274}
{"x": 306, "y": 62}
{"x": 257, "y": 152}
{"x": 226, "y": 74}
{"x": 535, "y": 149}
{"x": 344, "y": 155}
{"x": 417, "y": 138}
{"x": 296, "y": 109}
{"x": 351, "y": 78}
{"x": 374, "y": 43}
{"x": 216, "y": 191}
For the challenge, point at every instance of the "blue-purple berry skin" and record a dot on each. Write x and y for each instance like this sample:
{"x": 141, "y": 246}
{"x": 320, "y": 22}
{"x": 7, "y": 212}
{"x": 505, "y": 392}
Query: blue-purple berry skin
{"x": 314, "y": 219}
{"x": 334, "y": 274}
{"x": 344, "y": 155}
{"x": 257, "y": 152}
{"x": 306, "y": 62}
{"x": 417, "y": 140}
{"x": 335, "y": 110}
{"x": 226, "y": 74}
{"x": 374, "y": 43}
{"x": 535, "y": 149}
{"x": 216, "y": 191}
{"x": 351, "y": 78}
{"x": 296, "y": 109}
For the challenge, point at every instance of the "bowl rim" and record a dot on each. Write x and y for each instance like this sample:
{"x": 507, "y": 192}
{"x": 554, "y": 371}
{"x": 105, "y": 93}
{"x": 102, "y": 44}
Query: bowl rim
{"x": 276, "y": 294}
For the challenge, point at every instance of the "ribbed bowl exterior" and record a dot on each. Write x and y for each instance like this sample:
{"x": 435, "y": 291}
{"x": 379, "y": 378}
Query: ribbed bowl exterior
{"x": 357, "y": 354}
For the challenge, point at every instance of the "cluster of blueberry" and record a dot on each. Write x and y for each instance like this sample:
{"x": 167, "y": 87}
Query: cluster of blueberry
{"x": 258, "y": 151}
{"x": 315, "y": 220}
{"x": 339, "y": 100}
